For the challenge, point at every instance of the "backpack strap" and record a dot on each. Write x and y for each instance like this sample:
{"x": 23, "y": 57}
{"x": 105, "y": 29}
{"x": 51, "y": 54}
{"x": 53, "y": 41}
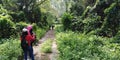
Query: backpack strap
{"x": 28, "y": 32}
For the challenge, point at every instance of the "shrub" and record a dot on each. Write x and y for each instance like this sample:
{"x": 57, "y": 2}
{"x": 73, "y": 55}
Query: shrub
{"x": 46, "y": 47}
{"x": 2, "y": 10}
{"x": 77, "y": 9}
{"x": 86, "y": 11}
{"x": 34, "y": 27}
{"x": 10, "y": 50}
{"x": 110, "y": 25}
{"x": 6, "y": 26}
{"x": 74, "y": 46}
{"x": 18, "y": 16}
{"x": 67, "y": 20}
{"x": 59, "y": 28}
{"x": 116, "y": 39}
{"x": 40, "y": 33}
{"x": 20, "y": 26}
{"x": 91, "y": 23}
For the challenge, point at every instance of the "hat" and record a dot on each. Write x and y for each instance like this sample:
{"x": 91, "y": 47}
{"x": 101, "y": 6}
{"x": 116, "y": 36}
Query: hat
{"x": 24, "y": 30}
{"x": 29, "y": 27}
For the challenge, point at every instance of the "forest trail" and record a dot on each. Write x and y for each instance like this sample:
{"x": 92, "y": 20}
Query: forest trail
{"x": 46, "y": 56}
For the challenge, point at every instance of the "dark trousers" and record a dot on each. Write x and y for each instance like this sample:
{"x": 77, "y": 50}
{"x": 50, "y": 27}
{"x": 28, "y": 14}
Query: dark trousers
{"x": 28, "y": 50}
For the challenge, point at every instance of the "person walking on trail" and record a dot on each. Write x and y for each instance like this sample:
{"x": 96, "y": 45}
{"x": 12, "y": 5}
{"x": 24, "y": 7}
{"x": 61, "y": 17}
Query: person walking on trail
{"x": 30, "y": 29}
{"x": 26, "y": 42}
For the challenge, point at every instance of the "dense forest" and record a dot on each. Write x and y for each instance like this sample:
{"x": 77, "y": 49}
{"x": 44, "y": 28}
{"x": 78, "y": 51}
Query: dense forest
{"x": 99, "y": 17}
{"x": 94, "y": 34}
{"x": 17, "y": 14}
{"x": 84, "y": 29}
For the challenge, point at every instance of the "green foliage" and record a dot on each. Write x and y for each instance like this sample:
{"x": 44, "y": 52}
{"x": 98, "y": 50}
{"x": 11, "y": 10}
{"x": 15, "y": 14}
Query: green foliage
{"x": 58, "y": 28}
{"x": 31, "y": 10}
{"x": 85, "y": 13}
{"x": 110, "y": 9}
{"x": 111, "y": 21}
{"x": 74, "y": 46}
{"x": 67, "y": 20}
{"x": 20, "y": 26}
{"x": 18, "y": 16}
{"x": 47, "y": 46}
{"x": 77, "y": 24}
{"x": 77, "y": 8}
{"x": 40, "y": 32}
{"x": 2, "y": 10}
{"x": 91, "y": 23}
{"x": 100, "y": 17}
{"x": 6, "y": 26}
{"x": 34, "y": 27}
{"x": 27, "y": 11}
{"x": 86, "y": 25}
{"x": 37, "y": 15}
{"x": 50, "y": 19}
{"x": 89, "y": 2}
{"x": 10, "y": 5}
{"x": 10, "y": 50}
{"x": 111, "y": 52}
{"x": 116, "y": 38}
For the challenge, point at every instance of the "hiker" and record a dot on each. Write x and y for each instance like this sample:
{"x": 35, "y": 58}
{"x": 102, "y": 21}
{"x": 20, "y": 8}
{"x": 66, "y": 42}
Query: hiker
{"x": 26, "y": 40}
{"x": 52, "y": 27}
{"x": 30, "y": 29}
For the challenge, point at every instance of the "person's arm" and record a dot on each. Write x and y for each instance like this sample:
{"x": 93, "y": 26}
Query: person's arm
{"x": 33, "y": 37}
{"x": 30, "y": 37}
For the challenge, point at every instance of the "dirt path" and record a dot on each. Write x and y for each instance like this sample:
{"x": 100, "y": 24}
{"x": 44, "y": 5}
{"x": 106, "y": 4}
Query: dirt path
{"x": 54, "y": 54}
{"x": 46, "y": 56}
